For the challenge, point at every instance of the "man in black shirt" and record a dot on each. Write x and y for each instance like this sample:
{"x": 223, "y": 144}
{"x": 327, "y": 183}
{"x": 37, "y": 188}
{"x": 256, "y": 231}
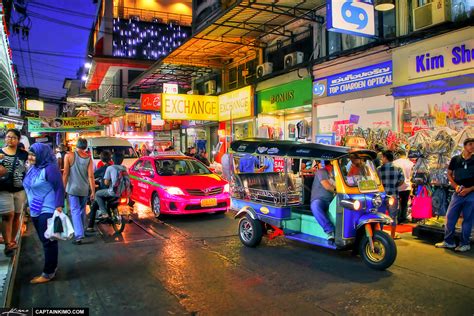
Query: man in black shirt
{"x": 461, "y": 178}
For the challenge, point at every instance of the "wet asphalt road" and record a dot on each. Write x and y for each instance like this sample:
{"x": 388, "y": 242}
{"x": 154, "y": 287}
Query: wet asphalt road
{"x": 197, "y": 265}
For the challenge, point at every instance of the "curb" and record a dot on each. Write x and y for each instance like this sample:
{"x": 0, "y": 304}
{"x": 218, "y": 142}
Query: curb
{"x": 7, "y": 293}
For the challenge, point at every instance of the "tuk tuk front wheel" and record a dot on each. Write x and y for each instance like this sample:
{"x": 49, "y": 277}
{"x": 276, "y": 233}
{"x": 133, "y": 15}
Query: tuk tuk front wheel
{"x": 250, "y": 231}
{"x": 384, "y": 253}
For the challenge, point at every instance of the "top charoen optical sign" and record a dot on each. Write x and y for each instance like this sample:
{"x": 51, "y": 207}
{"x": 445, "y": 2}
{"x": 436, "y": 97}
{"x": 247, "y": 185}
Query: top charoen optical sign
{"x": 351, "y": 17}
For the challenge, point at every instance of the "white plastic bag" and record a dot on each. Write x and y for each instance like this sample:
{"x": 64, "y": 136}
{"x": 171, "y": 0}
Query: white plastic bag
{"x": 68, "y": 229}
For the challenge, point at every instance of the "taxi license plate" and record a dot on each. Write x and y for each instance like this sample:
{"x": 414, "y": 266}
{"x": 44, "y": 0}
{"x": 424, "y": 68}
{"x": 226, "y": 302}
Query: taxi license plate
{"x": 124, "y": 209}
{"x": 208, "y": 202}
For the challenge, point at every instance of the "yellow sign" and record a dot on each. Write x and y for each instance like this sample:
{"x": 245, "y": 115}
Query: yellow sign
{"x": 441, "y": 119}
{"x": 189, "y": 107}
{"x": 236, "y": 104}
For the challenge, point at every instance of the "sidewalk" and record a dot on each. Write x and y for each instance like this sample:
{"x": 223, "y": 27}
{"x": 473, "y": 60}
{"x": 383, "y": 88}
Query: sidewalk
{"x": 8, "y": 267}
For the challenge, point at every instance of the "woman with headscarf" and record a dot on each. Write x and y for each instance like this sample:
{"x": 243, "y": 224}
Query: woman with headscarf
{"x": 45, "y": 192}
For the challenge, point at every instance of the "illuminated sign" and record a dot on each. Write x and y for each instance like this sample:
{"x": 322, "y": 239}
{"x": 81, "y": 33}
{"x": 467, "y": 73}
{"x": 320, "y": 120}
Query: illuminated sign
{"x": 236, "y": 104}
{"x": 150, "y": 102}
{"x": 170, "y": 88}
{"x": 442, "y": 60}
{"x": 63, "y": 124}
{"x": 370, "y": 77}
{"x": 351, "y": 17}
{"x": 190, "y": 107}
{"x": 286, "y": 96}
{"x": 34, "y": 105}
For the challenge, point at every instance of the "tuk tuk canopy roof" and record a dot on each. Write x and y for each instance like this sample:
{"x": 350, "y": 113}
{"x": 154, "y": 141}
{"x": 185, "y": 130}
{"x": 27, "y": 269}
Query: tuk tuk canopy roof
{"x": 263, "y": 146}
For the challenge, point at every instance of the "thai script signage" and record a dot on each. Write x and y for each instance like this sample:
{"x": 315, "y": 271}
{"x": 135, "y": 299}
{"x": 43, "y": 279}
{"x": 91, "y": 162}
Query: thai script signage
{"x": 370, "y": 77}
{"x": 351, "y": 17}
{"x": 442, "y": 60}
{"x": 189, "y": 107}
{"x": 236, "y": 104}
{"x": 64, "y": 124}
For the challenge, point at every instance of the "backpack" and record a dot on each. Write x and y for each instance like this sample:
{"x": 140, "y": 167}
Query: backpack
{"x": 122, "y": 187}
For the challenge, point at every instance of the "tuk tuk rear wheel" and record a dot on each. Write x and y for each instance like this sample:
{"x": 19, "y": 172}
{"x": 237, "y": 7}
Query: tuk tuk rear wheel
{"x": 384, "y": 254}
{"x": 250, "y": 231}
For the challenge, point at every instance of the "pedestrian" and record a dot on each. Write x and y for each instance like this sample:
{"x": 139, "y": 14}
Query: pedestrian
{"x": 404, "y": 190}
{"x": 78, "y": 177}
{"x": 137, "y": 149}
{"x": 60, "y": 156}
{"x": 378, "y": 160}
{"x": 110, "y": 180}
{"x": 14, "y": 160}
{"x": 248, "y": 163}
{"x": 202, "y": 157}
{"x": 105, "y": 159}
{"x": 45, "y": 191}
{"x": 227, "y": 166}
{"x": 392, "y": 177}
{"x": 268, "y": 165}
{"x": 461, "y": 178}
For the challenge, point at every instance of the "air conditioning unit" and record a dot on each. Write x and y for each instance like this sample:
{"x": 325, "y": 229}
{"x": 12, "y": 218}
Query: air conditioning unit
{"x": 430, "y": 14}
{"x": 210, "y": 87}
{"x": 264, "y": 69}
{"x": 293, "y": 59}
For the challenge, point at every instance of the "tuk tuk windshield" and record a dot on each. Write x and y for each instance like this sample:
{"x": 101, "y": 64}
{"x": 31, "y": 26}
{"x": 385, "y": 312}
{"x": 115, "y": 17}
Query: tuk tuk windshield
{"x": 358, "y": 171}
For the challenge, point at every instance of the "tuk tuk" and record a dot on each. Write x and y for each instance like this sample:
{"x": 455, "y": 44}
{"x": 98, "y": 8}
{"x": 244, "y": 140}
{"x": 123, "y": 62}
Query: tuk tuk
{"x": 278, "y": 203}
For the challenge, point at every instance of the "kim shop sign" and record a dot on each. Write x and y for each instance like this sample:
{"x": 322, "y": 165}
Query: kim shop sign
{"x": 351, "y": 17}
{"x": 370, "y": 77}
{"x": 442, "y": 60}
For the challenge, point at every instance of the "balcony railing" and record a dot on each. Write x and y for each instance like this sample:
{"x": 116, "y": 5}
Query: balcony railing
{"x": 152, "y": 16}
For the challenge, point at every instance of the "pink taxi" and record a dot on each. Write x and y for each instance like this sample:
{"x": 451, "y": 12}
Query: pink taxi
{"x": 176, "y": 184}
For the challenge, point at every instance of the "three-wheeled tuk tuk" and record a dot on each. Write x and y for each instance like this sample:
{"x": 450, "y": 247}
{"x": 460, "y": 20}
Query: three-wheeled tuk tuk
{"x": 278, "y": 203}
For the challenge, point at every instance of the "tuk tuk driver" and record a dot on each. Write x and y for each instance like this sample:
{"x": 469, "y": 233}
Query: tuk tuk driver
{"x": 358, "y": 167}
{"x": 322, "y": 193}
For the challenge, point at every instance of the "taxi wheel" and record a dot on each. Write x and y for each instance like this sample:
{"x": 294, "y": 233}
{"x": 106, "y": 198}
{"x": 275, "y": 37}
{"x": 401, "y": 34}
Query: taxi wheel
{"x": 250, "y": 231}
{"x": 384, "y": 254}
{"x": 155, "y": 204}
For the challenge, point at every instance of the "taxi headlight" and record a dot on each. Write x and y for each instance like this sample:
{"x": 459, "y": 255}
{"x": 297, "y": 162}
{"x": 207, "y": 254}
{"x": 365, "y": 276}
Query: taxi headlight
{"x": 226, "y": 188}
{"x": 174, "y": 191}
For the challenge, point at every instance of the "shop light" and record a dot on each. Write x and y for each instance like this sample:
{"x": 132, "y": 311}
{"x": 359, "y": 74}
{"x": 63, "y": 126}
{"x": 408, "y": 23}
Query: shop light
{"x": 84, "y": 77}
{"x": 88, "y": 65}
{"x": 384, "y": 5}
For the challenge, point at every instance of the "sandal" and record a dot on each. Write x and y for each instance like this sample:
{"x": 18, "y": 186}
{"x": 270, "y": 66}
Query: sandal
{"x": 397, "y": 236}
{"x": 13, "y": 245}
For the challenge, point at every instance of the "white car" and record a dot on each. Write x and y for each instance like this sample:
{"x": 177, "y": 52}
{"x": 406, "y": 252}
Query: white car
{"x": 113, "y": 144}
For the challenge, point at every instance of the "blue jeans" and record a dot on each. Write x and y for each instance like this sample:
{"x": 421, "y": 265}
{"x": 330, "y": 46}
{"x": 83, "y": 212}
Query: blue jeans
{"x": 50, "y": 247}
{"x": 458, "y": 205}
{"x": 77, "y": 204}
{"x": 319, "y": 209}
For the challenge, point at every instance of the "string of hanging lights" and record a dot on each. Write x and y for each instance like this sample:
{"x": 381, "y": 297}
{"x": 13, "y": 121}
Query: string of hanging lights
{"x": 133, "y": 38}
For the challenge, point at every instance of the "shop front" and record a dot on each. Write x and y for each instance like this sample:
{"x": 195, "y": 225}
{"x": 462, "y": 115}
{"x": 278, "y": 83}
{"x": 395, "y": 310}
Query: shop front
{"x": 284, "y": 111}
{"x": 353, "y": 98}
{"x": 434, "y": 91}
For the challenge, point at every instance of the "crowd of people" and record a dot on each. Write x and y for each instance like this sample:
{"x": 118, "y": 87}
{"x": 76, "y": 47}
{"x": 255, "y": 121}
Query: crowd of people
{"x": 39, "y": 179}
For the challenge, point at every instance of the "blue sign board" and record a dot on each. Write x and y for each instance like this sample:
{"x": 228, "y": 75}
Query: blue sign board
{"x": 326, "y": 139}
{"x": 356, "y": 17}
{"x": 370, "y": 77}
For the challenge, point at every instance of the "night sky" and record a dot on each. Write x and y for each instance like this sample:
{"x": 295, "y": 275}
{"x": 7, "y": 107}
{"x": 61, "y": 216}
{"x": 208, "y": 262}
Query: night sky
{"x": 50, "y": 34}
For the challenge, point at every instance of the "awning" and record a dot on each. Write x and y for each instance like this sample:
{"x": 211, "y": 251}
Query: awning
{"x": 239, "y": 32}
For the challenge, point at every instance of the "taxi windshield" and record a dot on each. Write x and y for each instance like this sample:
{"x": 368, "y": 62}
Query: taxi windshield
{"x": 180, "y": 167}
{"x": 356, "y": 169}
{"x": 127, "y": 151}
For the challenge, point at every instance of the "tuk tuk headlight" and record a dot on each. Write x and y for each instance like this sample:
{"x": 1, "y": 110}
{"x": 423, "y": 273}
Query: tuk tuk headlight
{"x": 355, "y": 205}
{"x": 377, "y": 201}
{"x": 391, "y": 201}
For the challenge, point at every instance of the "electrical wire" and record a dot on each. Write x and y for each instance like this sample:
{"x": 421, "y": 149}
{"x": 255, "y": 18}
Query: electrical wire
{"x": 31, "y": 63}
{"x": 54, "y": 54}
{"x": 27, "y": 81}
{"x": 60, "y": 10}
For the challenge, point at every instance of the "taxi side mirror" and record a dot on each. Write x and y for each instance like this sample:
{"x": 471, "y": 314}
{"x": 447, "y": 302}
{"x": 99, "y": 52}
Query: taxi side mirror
{"x": 147, "y": 173}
